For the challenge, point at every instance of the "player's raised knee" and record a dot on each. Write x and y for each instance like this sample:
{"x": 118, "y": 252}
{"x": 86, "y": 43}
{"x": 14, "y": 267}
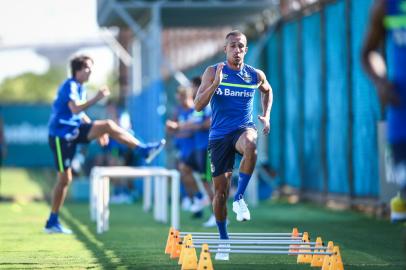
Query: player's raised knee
{"x": 110, "y": 125}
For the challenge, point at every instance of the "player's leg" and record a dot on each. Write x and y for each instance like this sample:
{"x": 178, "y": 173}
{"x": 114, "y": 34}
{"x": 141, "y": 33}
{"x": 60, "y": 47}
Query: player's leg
{"x": 221, "y": 154}
{"x": 221, "y": 192}
{"x": 101, "y": 127}
{"x": 207, "y": 180}
{"x": 188, "y": 179}
{"x": 199, "y": 201}
{"x": 398, "y": 203}
{"x": 64, "y": 179}
{"x": 245, "y": 145}
{"x": 205, "y": 172}
{"x": 63, "y": 152}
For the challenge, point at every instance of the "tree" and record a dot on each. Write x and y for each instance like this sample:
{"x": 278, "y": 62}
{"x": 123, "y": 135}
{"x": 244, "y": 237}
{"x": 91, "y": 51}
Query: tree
{"x": 32, "y": 88}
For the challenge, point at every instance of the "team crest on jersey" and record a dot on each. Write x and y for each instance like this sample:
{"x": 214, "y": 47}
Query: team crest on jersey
{"x": 247, "y": 78}
{"x": 225, "y": 76}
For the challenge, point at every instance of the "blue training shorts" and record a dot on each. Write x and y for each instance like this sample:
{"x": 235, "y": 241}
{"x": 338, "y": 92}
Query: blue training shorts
{"x": 64, "y": 150}
{"x": 222, "y": 152}
{"x": 198, "y": 160}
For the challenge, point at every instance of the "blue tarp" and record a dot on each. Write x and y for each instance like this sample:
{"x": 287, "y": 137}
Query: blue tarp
{"x": 348, "y": 103}
{"x": 292, "y": 104}
{"x": 313, "y": 103}
{"x": 365, "y": 108}
{"x": 276, "y": 142}
{"x": 147, "y": 115}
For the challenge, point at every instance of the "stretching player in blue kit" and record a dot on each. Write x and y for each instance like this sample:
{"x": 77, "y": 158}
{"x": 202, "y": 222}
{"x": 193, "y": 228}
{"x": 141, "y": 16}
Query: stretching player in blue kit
{"x": 69, "y": 126}
{"x": 388, "y": 27}
{"x": 230, "y": 87}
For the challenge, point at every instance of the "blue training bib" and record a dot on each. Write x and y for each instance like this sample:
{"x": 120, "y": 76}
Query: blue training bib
{"x": 232, "y": 102}
{"x": 395, "y": 25}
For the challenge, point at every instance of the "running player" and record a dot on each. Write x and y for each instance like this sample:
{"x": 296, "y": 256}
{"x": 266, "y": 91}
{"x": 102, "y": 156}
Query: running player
{"x": 388, "y": 26}
{"x": 229, "y": 87}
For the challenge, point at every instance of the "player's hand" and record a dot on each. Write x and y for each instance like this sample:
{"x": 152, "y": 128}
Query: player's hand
{"x": 219, "y": 74}
{"x": 387, "y": 94}
{"x": 103, "y": 140}
{"x": 172, "y": 125}
{"x": 103, "y": 92}
{"x": 265, "y": 122}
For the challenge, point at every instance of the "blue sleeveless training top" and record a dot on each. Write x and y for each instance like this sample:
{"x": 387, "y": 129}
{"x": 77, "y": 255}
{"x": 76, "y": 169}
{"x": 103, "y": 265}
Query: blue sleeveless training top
{"x": 232, "y": 102}
{"x": 395, "y": 25}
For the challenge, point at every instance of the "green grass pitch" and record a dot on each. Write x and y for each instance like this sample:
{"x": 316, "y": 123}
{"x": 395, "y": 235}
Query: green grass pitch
{"x": 136, "y": 241}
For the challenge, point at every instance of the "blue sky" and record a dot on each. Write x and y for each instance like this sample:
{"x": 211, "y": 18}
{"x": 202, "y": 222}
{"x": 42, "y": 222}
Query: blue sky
{"x": 26, "y": 23}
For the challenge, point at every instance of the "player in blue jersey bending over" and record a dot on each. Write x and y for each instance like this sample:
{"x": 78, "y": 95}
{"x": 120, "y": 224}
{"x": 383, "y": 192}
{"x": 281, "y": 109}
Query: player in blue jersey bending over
{"x": 229, "y": 87}
{"x": 388, "y": 27}
{"x": 69, "y": 125}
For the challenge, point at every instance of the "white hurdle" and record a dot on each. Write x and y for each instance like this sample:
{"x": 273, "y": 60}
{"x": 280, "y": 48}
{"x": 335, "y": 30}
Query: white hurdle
{"x": 258, "y": 251}
{"x": 284, "y": 247}
{"x": 100, "y": 192}
{"x": 252, "y": 242}
{"x": 183, "y": 245}
{"x": 235, "y": 234}
{"x": 242, "y": 237}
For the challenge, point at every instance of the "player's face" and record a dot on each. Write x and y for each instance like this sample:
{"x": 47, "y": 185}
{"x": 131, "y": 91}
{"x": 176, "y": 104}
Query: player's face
{"x": 84, "y": 74}
{"x": 182, "y": 98}
{"x": 235, "y": 49}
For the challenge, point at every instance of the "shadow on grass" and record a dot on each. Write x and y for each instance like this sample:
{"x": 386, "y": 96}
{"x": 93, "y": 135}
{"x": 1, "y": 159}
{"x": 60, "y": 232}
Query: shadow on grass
{"x": 46, "y": 180}
{"x": 136, "y": 241}
{"x": 84, "y": 234}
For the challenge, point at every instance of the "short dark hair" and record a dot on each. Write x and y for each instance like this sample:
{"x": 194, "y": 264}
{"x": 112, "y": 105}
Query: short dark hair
{"x": 78, "y": 62}
{"x": 196, "y": 81}
{"x": 183, "y": 90}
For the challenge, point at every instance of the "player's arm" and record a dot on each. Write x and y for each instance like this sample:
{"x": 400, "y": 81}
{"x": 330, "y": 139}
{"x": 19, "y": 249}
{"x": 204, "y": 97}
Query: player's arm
{"x": 211, "y": 80}
{"x": 190, "y": 125}
{"x": 266, "y": 100}
{"x": 172, "y": 125}
{"x": 85, "y": 118}
{"x": 206, "y": 124}
{"x": 373, "y": 61}
{"x": 77, "y": 107}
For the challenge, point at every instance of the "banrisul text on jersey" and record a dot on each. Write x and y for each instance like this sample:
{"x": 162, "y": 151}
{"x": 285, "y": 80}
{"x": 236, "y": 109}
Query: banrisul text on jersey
{"x": 232, "y": 101}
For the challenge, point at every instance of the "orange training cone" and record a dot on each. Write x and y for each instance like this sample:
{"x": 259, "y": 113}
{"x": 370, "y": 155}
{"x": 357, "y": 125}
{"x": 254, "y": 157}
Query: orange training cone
{"x": 176, "y": 247}
{"x": 293, "y": 248}
{"x": 336, "y": 262}
{"x": 168, "y": 247}
{"x": 205, "y": 259}
{"x": 189, "y": 260}
{"x": 328, "y": 258}
{"x": 305, "y": 258}
{"x": 183, "y": 247}
{"x": 317, "y": 260}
